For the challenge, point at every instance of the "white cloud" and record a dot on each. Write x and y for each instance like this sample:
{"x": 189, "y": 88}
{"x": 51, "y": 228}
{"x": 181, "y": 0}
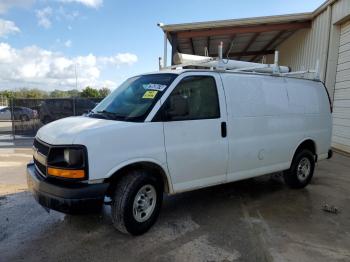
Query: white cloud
{"x": 109, "y": 84}
{"x": 5, "y": 5}
{"x": 119, "y": 59}
{"x": 62, "y": 13}
{"x": 44, "y": 17}
{"x": 88, "y": 3}
{"x": 7, "y": 27}
{"x": 36, "y": 67}
{"x": 68, "y": 43}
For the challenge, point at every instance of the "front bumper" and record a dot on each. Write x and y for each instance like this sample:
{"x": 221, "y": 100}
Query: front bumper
{"x": 67, "y": 198}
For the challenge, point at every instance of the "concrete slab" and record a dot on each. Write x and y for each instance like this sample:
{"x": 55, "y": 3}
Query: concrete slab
{"x": 254, "y": 220}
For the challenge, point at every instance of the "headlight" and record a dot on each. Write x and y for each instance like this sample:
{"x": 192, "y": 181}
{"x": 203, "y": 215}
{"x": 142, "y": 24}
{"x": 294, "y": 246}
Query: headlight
{"x": 67, "y": 162}
{"x": 73, "y": 157}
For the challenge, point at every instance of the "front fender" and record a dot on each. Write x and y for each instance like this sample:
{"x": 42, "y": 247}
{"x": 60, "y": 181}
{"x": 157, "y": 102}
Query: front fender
{"x": 126, "y": 163}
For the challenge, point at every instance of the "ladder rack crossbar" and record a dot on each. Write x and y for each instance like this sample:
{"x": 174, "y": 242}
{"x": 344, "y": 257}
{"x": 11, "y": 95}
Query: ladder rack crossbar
{"x": 220, "y": 64}
{"x": 182, "y": 65}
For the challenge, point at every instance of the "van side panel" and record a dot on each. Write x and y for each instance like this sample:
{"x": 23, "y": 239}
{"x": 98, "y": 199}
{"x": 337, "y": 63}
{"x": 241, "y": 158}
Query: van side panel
{"x": 308, "y": 100}
{"x": 268, "y": 119}
{"x": 258, "y": 129}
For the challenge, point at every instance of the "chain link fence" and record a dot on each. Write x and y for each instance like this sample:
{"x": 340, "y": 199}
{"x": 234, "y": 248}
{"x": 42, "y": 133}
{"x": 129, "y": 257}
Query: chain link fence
{"x": 21, "y": 118}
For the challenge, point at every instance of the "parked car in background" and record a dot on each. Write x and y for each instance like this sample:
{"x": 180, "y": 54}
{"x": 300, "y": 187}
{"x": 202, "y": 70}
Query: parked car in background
{"x": 19, "y": 113}
{"x": 54, "y": 109}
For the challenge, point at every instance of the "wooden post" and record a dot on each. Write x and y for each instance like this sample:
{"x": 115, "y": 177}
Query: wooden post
{"x": 174, "y": 47}
{"x": 165, "y": 55}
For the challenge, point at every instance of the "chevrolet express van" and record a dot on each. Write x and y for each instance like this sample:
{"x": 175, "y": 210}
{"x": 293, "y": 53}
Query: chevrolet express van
{"x": 175, "y": 131}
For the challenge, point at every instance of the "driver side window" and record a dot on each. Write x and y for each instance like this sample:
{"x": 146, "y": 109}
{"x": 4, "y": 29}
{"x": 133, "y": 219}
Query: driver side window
{"x": 194, "y": 98}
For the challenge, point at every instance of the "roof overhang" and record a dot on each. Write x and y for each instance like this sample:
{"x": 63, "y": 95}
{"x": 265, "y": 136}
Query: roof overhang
{"x": 237, "y": 22}
{"x": 243, "y": 39}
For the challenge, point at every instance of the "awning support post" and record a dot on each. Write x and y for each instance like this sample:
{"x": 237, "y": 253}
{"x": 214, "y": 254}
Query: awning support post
{"x": 165, "y": 55}
{"x": 174, "y": 47}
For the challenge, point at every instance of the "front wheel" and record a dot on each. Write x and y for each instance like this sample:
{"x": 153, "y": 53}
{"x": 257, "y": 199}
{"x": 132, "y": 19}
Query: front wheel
{"x": 136, "y": 202}
{"x": 301, "y": 171}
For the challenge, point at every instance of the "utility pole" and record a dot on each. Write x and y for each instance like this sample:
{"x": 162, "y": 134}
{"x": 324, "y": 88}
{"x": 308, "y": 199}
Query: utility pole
{"x": 76, "y": 87}
{"x": 76, "y": 76}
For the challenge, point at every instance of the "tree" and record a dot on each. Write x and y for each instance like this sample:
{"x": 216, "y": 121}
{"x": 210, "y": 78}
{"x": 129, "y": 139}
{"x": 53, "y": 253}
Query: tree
{"x": 30, "y": 93}
{"x": 65, "y": 94}
{"x": 7, "y": 94}
{"x": 104, "y": 91}
{"x": 90, "y": 92}
{"x": 59, "y": 94}
{"x": 35, "y": 93}
{"x": 73, "y": 93}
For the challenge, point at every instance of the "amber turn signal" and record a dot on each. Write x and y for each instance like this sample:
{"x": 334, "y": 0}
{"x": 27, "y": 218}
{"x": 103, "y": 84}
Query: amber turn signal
{"x": 66, "y": 173}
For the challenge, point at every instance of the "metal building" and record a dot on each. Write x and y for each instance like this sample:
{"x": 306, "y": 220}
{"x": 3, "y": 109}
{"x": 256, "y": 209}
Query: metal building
{"x": 302, "y": 39}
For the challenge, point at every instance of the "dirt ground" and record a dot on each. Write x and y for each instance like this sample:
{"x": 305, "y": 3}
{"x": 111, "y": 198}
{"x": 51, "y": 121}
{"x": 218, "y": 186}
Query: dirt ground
{"x": 254, "y": 220}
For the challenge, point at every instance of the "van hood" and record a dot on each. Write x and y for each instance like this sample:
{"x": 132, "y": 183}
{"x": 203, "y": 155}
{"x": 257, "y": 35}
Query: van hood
{"x": 65, "y": 131}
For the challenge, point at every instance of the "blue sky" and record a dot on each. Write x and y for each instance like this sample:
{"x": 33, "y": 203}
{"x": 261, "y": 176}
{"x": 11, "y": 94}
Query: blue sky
{"x": 42, "y": 42}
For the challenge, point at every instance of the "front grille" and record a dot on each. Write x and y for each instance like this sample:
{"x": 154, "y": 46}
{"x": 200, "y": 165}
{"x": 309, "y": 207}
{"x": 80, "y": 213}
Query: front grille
{"x": 40, "y": 167}
{"x": 42, "y": 149}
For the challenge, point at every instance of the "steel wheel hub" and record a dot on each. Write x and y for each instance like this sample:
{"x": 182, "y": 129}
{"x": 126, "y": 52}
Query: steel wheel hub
{"x": 144, "y": 203}
{"x": 304, "y": 169}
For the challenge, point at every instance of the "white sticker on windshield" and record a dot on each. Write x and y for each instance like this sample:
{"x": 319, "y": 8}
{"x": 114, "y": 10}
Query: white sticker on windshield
{"x": 157, "y": 87}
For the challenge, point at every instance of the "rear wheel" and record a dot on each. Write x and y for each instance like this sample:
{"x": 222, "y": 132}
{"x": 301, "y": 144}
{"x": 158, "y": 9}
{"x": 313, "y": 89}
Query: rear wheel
{"x": 136, "y": 202}
{"x": 301, "y": 171}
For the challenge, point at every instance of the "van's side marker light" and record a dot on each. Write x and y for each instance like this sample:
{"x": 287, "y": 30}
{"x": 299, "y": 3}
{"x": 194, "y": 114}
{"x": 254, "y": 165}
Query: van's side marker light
{"x": 66, "y": 173}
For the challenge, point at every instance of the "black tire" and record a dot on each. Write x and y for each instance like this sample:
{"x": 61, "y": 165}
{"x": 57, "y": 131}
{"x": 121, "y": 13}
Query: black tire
{"x": 295, "y": 179}
{"x": 123, "y": 201}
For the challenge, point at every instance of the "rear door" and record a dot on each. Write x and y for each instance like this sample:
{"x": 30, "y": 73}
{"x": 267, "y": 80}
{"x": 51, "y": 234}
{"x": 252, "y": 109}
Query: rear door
{"x": 194, "y": 118}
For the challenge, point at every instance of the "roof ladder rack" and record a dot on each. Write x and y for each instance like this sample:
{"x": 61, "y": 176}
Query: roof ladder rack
{"x": 221, "y": 64}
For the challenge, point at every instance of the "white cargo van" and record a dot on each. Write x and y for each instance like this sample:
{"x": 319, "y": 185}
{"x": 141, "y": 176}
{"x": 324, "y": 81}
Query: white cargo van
{"x": 175, "y": 131}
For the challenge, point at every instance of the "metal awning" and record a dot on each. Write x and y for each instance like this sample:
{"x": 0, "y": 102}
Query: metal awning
{"x": 243, "y": 39}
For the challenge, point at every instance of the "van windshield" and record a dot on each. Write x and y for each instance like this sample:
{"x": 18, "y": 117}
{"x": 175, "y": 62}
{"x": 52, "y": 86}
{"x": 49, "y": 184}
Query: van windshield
{"x": 134, "y": 99}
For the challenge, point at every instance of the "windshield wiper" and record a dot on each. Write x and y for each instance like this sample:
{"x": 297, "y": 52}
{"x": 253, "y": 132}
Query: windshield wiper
{"x": 104, "y": 112}
{"x": 111, "y": 115}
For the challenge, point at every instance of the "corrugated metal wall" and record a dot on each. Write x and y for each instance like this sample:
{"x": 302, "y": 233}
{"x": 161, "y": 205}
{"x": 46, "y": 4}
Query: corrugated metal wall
{"x": 341, "y": 113}
{"x": 341, "y": 9}
{"x": 302, "y": 50}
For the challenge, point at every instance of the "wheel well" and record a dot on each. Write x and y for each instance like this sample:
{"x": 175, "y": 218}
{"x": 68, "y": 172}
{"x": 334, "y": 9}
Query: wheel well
{"x": 149, "y": 166}
{"x": 307, "y": 144}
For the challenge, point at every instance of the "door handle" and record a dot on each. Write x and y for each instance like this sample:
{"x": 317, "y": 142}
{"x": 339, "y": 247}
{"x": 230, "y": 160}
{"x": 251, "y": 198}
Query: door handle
{"x": 223, "y": 129}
